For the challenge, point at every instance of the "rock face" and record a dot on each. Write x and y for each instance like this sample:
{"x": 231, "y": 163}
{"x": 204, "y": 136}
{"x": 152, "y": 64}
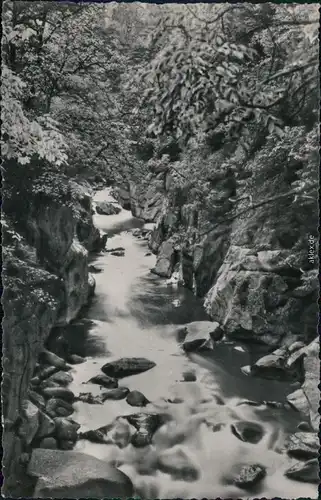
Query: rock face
{"x": 46, "y": 280}
{"x": 57, "y": 478}
{"x": 252, "y": 270}
{"x": 124, "y": 367}
{"x": 307, "y": 398}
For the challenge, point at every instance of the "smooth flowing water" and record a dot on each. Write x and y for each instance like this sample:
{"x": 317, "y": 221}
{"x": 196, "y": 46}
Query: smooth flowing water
{"x": 135, "y": 313}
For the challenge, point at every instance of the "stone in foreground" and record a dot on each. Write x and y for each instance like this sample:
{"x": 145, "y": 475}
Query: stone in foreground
{"x": 249, "y": 475}
{"x": 124, "y": 367}
{"x": 68, "y": 474}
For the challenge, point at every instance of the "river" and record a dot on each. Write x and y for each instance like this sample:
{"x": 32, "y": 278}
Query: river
{"x": 135, "y": 313}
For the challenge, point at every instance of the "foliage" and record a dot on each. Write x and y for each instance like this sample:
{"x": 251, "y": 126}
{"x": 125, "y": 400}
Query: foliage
{"x": 215, "y": 74}
{"x": 22, "y": 138}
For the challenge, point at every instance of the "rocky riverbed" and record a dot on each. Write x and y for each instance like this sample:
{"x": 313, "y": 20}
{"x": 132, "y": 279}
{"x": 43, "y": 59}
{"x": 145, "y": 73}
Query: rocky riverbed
{"x": 153, "y": 392}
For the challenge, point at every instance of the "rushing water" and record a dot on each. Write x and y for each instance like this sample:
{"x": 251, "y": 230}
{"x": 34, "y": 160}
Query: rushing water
{"x": 135, "y": 313}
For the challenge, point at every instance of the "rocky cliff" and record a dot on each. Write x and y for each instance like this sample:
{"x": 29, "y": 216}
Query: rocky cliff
{"x": 246, "y": 250}
{"x": 46, "y": 283}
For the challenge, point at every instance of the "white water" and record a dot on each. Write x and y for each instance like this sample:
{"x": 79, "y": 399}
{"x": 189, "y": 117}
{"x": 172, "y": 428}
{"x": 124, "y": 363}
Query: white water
{"x": 136, "y": 314}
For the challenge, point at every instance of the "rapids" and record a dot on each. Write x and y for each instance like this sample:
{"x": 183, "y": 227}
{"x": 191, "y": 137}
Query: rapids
{"x": 135, "y": 313}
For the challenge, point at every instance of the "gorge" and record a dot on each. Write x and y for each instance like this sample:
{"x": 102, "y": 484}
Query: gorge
{"x": 203, "y": 391}
{"x": 160, "y": 250}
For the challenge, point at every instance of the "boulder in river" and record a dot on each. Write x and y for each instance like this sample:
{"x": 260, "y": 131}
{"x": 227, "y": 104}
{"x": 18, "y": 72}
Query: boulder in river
{"x": 178, "y": 464}
{"x": 250, "y": 432}
{"x": 146, "y": 425}
{"x": 66, "y": 429}
{"x": 58, "y": 392}
{"x": 249, "y": 475}
{"x": 305, "y": 471}
{"x": 118, "y": 253}
{"x": 201, "y": 335}
{"x": 136, "y": 398}
{"x": 115, "y": 394}
{"x": 104, "y": 381}
{"x": 58, "y": 478}
{"x": 106, "y": 208}
{"x": 61, "y": 378}
{"x": 124, "y": 367}
{"x": 52, "y": 359}
{"x": 303, "y": 445}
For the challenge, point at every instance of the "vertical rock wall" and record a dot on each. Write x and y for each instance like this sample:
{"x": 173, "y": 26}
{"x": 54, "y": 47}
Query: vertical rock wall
{"x": 45, "y": 257}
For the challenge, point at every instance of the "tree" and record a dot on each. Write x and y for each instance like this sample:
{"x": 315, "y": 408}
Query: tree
{"x": 225, "y": 72}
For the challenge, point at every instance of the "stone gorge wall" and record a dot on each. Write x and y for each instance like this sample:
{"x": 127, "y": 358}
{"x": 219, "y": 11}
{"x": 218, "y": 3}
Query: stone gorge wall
{"x": 46, "y": 283}
{"x": 253, "y": 271}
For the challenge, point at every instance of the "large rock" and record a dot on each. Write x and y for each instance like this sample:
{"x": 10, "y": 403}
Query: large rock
{"x": 252, "y": 296}
{"x": 249, "y": 476}
{"x": 303, "y": 445}
{"x": 166, "y": 260}
{"x": 67, "y": 474}
{"x": 106, "y": 208}
{"x": 201, "y": 334}
{"x": 124, "y": 367}
{"x": 305, "y": 471}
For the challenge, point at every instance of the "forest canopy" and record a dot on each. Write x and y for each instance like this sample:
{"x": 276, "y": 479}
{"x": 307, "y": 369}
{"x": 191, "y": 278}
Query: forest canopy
{"x": 99, "y": 91}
